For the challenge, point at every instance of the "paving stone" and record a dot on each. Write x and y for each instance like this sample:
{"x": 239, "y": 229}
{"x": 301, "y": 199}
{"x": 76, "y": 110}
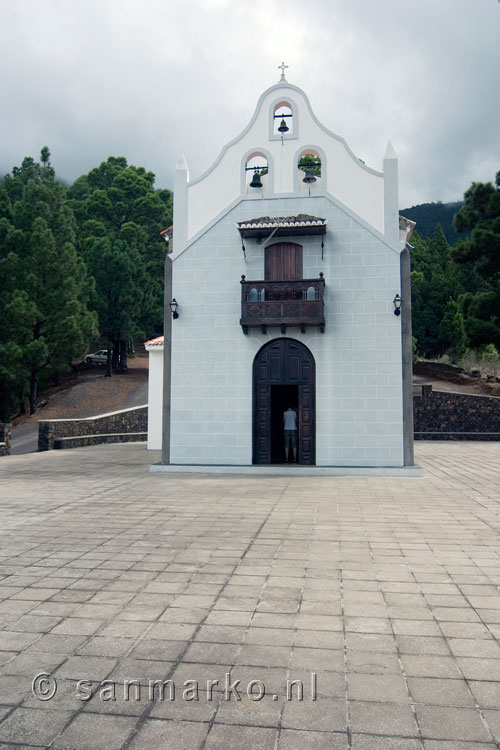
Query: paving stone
{"x": 373, "y": 663}
{"x": 85, "y": 668}
{"x": 124, "y": 629}
{"x": 33, "y": 726}
{"x": 32, "y": 663}
{"x": 186, "y": 567}
{"x": 465, "y": 724}
{"x": 440, "y": 692}
{"x": 16, "y": 641}
{"x": 263, "y": 712}
{"x": 181, "y": 735}
{"x": 381, "y": 688}
{"x": 223, "y": 736}
{"x": 14, "y": 688}
{"x": 106, "y": 646}
{"x": 158, "y": 650}
{"x": 479, "y": 669}
{"x": 430, "y": 666}
{"x": 51, "y": 643}
{"x": 382, "y": 718}
{"x": 414, "y": 644}
{"x": 93, "y": 732}
{"x": 493, "y": 721}
{"x": 316, "y": 639}
{"x": 371, "y": 742}
{"x": 487, "y": 694}
{"x": 293, "y": 739}
{"x": 456, "y": 745}
{"x": 78, "y": 626}
{"x": 322, "y": 714}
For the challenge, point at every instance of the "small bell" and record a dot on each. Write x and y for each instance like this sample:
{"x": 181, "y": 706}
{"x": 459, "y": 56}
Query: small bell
{"x": 283, "y": 128}
{"x": 256, "y": 181}
{"x": 309, "y": 177}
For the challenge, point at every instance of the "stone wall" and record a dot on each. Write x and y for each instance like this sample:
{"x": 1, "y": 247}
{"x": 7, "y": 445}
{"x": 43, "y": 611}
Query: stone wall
{"x": 440, "y": 415}
{"x": 114, "y": 424}
{"x": 5, "y": 438}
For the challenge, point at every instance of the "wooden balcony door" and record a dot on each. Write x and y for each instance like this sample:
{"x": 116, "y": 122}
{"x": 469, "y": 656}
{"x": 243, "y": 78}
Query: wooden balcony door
{"x": 283, "y": 262}
{"x": 283, "y": 369}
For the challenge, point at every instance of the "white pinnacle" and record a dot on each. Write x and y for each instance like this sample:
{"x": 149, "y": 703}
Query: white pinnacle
{"x": 389, "y": 152}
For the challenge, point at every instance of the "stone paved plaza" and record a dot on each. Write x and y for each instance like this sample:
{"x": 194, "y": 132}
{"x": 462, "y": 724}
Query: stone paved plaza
{"x": 379, "y": 594}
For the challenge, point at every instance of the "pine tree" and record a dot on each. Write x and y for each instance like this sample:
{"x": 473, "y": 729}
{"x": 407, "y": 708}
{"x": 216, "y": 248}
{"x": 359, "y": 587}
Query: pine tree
{"x": 452, "y": 332}
{"x": 44, "y": 284}
{"x": 120, "y": 216}
{"x": 480, "y": 258}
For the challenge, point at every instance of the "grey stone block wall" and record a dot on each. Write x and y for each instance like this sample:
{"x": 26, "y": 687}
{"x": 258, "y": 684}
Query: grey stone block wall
{"x": 440, "y": 415}
{"x": 116, "y": 423}
{"x": 5, "y": 438}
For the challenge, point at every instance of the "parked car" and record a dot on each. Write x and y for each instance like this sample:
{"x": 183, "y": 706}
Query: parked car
{"x": 98, "y": 358}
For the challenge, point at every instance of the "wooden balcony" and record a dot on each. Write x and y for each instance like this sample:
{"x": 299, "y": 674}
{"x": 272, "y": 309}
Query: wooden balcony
{"x": 282, "y": 303}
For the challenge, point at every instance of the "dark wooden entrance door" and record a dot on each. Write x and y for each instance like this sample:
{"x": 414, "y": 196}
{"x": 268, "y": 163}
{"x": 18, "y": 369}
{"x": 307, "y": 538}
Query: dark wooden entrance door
{"x": 283, "y": 362}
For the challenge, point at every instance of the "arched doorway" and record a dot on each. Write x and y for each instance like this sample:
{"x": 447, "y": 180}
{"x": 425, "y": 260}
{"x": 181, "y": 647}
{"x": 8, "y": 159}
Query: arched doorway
{"x": 283, "y": 376}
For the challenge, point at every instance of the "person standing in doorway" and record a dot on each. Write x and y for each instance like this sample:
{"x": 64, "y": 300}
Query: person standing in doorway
{"x": 290, "y": 432}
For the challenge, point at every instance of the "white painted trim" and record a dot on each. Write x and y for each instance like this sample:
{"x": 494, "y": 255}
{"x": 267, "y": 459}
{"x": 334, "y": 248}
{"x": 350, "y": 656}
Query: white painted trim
{"x": 270, "y": 171}
{"x": 96, "y": 416}
{"x": 290, "y": 471}
{"x": 295, "y": 120}
{"x": 324, "y": 166}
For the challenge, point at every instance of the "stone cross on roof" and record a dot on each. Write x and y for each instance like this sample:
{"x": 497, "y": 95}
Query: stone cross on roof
{"x": 282, "y": 67}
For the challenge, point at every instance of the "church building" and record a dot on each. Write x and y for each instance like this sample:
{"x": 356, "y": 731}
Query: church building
{"x": 287, "y": 286}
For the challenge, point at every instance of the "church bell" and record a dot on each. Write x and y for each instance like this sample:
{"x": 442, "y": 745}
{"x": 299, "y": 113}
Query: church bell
{"x": 309, "y": 177}
{"x": 256, "y": 182}
{"x": 283, "y": 128}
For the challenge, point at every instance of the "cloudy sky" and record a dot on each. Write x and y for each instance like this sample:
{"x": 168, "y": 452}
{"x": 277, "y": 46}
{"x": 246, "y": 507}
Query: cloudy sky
{"x": 151, "y": 79}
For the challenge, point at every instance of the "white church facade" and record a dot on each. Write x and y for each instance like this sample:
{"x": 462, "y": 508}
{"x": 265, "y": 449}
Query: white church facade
{"x": 286, "y": 269}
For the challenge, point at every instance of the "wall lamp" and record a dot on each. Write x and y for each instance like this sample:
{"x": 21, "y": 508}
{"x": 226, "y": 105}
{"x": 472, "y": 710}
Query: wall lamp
{"x": 173, "y": 308}
{"x": 397, "y": 304}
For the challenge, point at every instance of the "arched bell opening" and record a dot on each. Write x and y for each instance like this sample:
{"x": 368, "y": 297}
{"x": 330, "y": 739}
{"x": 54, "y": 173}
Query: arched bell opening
{"x": 283, "y": 376}
{"x": 309, "y": 171}
{"x": 256, "y": 173}
{"x": 283, "y": 124}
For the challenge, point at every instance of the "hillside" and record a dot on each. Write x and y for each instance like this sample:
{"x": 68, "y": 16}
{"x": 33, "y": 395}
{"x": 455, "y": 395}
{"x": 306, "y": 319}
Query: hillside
{"x": 428, "y": 215}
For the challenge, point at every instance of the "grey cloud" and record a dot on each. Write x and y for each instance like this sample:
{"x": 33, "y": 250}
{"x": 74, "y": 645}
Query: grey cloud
{"x": 154, "y": 79}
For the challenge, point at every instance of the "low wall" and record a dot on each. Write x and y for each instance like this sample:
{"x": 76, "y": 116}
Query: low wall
{"x": 61, "y": 443}
{"x": 5, "y": 438}
{"x": 440, "y": 415}
{"x": 114, "y": 424}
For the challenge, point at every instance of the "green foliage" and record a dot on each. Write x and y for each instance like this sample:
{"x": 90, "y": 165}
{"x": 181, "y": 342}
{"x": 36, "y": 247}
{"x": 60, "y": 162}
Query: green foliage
{"x": 429, "y": 215}
{"x": 435, "y": 280}
{"x": 452, "y": 331}
{"x": 310, "y": 161}
{"x": 414, "y": 349}
{"x": 44, "y": 286}
{"x": 479, "y": 257}
{"x": 120, "y": 216}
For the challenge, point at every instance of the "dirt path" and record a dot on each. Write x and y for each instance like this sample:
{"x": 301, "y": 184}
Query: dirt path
{"x": 92, "y": 393}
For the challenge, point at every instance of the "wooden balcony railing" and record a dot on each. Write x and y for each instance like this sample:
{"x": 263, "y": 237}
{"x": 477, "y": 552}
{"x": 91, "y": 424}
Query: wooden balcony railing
{"x": 282, "y": 303}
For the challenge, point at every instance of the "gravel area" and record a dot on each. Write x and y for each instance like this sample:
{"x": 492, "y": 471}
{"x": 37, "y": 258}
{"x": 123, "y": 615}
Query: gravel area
{"x": 92, "y": 394}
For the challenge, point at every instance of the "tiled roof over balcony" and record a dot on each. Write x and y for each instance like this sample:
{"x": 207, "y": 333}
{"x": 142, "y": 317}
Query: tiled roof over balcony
{"x": 301, "y": 224}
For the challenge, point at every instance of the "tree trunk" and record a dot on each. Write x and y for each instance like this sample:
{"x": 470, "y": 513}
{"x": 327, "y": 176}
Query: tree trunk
{"x": 123, "y": 357}
{"x": 33, "y": 391}
{"x": 109, "y": 368}
{"x": 116, "y": 355}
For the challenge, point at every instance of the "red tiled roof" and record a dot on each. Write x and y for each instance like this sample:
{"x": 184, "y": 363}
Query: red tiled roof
{"x": 158, "y": 341}
{"x": 167, "y": 233}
